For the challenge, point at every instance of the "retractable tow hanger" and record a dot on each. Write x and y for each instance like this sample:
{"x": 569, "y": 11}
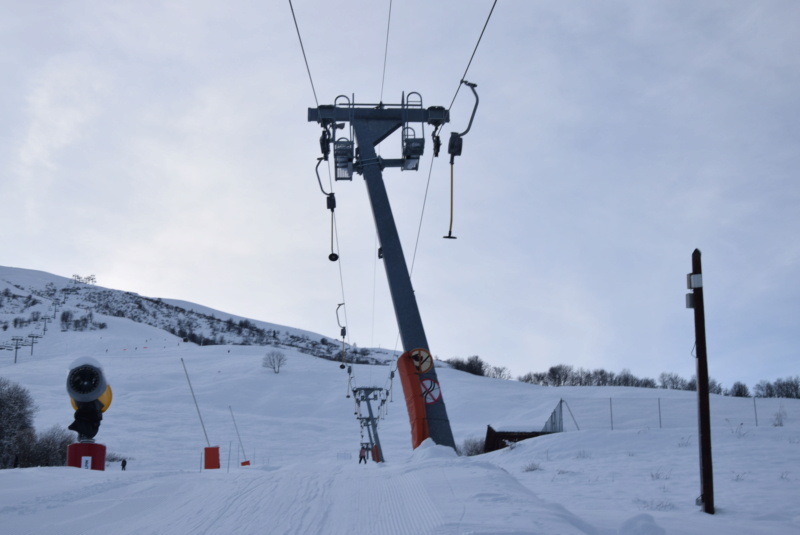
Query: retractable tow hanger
{"x": 455, "y": 144}
{"x": 342, "y": 331}
{"x": 331, "y": 205}
{"x": 454, "y": 147}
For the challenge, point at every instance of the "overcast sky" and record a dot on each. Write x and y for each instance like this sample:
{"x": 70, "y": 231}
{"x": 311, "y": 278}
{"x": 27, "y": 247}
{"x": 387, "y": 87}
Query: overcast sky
{"x": 164, "y": 147}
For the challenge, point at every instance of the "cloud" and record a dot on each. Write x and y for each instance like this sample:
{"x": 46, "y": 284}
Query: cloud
{"x": 61, "y": 102}
{"x": 166, "y": 148}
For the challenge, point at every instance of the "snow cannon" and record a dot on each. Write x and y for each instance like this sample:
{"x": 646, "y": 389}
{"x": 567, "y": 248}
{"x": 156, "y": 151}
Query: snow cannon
{"x": 90, "y": 395}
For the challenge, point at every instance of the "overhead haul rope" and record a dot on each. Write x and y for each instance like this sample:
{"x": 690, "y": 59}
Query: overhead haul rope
{"x": 375, "y": 260}
{"x": 374, "y": 282}
{"x": 436, "y": 145}
{"x": 310, "y": 79}
{"x": 331, "y": 204}
{"x": 386, "y": 49}
{"x": 325, "y": 143}
{"x": 344, "y": 334}
{"x": 419, "y": 232}
{"x": 473, "y": 54}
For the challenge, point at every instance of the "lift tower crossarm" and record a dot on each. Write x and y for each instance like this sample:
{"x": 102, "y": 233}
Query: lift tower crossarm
{"x": 434, "y": 115}
{"x": 371, "y": 126}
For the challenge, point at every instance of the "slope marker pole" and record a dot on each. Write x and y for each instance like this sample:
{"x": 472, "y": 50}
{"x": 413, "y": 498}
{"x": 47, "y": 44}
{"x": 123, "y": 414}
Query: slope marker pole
{"x": 208, "y": 443}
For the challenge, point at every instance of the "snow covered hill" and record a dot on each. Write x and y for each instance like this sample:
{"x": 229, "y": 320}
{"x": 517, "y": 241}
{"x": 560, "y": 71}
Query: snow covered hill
{"x": 300, "y": 433}
{"x": 30, "y": 299}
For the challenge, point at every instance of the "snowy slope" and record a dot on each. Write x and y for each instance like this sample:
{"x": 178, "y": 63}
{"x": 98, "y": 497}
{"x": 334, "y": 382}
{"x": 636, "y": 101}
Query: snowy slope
{"x": 300, "y": 433}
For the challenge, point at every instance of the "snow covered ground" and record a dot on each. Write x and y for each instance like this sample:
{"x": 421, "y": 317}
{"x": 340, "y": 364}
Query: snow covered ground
{"x": 299, "y": 431}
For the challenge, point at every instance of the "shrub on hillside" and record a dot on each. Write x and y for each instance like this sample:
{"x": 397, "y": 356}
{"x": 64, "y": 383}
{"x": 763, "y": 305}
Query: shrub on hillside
{"x": 16, "y": 421}
{"x": 474, "y": 365}
{"x": 471, "y": 446}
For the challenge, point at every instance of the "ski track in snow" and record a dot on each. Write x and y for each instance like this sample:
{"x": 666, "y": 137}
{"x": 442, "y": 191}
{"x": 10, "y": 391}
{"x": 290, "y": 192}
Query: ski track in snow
{"x": 410, "y": 499}
{"x": 371, "y": 503}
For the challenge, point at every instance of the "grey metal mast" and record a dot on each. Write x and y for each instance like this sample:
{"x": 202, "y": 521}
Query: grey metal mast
{"x": 372, "y": 124}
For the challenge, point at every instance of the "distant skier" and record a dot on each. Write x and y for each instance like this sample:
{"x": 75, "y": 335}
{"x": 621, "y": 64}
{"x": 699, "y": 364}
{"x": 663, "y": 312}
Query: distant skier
{"x": 362, "y": 455}
{"x": 124, "y": 464}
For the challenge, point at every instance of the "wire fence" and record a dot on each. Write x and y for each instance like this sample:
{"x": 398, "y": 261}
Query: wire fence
{"x": 571, "y": 414}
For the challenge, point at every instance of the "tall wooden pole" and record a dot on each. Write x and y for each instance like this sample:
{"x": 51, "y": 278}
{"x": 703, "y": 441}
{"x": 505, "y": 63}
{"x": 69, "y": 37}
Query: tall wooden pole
{"x": 695, "y": 301}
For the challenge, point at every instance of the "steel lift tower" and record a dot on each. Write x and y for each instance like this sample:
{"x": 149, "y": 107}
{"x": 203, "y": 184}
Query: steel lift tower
{"x": 370, "y": 124}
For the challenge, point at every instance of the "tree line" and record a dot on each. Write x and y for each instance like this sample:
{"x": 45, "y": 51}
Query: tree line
{"x": 566, "y": 375}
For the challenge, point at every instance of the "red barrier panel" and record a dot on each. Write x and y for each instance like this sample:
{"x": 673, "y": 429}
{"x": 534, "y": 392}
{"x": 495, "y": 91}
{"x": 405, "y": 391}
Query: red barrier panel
{"x": 87, "y": 455}
{"x": 415, "y": 403}
{"x": 211, "y": 458}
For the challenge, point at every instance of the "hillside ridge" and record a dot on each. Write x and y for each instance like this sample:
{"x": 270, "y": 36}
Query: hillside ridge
{"x": 30, "y": 300}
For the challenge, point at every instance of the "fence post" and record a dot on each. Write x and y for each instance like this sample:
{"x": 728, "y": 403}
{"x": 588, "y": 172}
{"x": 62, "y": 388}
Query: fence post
{"x": 659, "y": 413}
{"x": 755, "y": 410}
{"x": 611, "y": 411}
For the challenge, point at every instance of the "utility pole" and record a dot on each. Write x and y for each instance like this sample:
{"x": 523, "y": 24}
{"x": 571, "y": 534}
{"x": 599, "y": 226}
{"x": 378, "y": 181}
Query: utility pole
{"x": 373, "y": 123}
{"x": 694, "y": 282}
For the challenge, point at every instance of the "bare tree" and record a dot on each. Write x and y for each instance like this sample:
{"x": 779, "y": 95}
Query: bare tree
{"x": 498, "y": 372}
{"x": 559, "y": 375}
{"x": 51, "y": 446}
{"x": 740, "y": 390}
{"x": 672, "y": 381}
{"x": 274, "y": 360}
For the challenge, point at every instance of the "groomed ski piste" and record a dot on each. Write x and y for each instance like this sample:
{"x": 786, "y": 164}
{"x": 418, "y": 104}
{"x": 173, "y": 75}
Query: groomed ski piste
{"x": 299, "y": 431}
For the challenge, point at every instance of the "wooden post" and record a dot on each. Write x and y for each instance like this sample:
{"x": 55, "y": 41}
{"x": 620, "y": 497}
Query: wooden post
{"x": 695, "y": 301}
